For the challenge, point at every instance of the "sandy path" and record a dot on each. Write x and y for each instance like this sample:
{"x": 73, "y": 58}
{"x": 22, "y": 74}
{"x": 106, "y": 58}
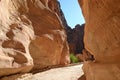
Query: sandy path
{"x": 64, "y": 73}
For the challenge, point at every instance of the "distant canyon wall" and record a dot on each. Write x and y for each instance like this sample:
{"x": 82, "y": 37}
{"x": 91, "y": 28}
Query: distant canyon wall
{"x": 74, "y": 36}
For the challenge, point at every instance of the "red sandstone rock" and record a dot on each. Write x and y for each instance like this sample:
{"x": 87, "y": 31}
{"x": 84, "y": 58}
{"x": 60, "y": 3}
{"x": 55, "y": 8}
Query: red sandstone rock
{"x": 102, "y": 38}
{"x": 31, "y": 34}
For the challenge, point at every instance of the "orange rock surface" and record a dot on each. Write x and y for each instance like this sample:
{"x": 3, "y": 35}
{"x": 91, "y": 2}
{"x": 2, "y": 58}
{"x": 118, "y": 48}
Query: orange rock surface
{"x": 31, "y": 36}
{"x": 102, "y": 38}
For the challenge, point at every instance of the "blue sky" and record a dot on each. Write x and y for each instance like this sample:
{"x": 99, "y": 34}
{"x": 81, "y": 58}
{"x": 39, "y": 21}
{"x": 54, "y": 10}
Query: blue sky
{"x": 72, "y": 12}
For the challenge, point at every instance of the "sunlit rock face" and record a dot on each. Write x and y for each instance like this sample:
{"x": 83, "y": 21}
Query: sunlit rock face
{"x": 31, "y": 36}
{"x": 102, "y": 38}
{"x": 50, "y": 46}
{"x": 16, "y": 33}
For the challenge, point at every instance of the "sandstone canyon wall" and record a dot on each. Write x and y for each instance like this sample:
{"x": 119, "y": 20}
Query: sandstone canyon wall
{"x": 102, "y": 38}
{"x": 75, "y": 39}
{"x": 31, "y": 36}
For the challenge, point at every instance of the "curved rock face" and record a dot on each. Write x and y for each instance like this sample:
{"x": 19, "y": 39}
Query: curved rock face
{"x": 30, "y": 35}
{"x": 102, "y": 29}
{"x": 102, "y": 38}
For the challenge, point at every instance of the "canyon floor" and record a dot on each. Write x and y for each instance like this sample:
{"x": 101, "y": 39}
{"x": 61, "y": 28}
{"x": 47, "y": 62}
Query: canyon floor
{"x": 72, "y": 72}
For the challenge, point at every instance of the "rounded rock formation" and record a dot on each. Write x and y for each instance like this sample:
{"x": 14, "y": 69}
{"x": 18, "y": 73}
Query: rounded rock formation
{"x": 31, "y": 35}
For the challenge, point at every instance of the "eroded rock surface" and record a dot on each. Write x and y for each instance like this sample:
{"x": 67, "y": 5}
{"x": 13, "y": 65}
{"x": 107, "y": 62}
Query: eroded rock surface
{"x": 16, "y": 32}
{"x": 102, "y": 38}
{"x": 31, "y": 35}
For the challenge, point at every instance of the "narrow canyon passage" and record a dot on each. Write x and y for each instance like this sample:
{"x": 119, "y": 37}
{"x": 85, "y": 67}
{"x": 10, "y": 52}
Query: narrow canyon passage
{"x": 35, "y": 35}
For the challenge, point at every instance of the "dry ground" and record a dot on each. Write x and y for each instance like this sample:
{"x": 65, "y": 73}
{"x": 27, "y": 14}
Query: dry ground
{"x": 63, "y": 73}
